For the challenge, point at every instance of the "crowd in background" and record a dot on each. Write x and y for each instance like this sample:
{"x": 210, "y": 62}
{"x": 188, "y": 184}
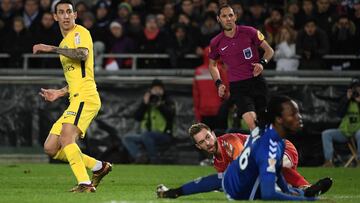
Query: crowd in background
{"x": 305, "y": 29}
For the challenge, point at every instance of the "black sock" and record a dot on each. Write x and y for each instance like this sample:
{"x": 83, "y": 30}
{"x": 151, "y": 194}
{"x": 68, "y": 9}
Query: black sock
{"x": 174, "y": 193}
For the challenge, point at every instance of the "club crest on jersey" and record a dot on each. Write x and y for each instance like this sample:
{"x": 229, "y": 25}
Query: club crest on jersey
{"x": 271, "y": 167}
{"x": 247, "y": 53}
{"x": 77, "y": 38}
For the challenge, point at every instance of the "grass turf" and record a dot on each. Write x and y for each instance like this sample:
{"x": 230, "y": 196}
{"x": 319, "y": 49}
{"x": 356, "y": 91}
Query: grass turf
{"x": 136, "y": 183}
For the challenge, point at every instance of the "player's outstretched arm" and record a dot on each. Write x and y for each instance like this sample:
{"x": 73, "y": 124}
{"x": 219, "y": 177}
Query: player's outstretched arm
{"x": 53, "y": 94}
{"x": 77, "y": 53}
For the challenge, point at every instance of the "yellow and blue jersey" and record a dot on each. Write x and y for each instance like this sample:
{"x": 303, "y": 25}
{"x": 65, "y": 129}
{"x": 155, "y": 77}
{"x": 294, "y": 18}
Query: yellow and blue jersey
{"x": 79, "y": 74}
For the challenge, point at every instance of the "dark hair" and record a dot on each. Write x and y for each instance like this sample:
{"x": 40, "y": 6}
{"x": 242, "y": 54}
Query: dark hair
{"x": 222, "y": 7}
{"x": 310, "y": 20}
{"x": 274, "y": 109}
{"x": 63, "y": 2}
{"x": 279, "y": 10}
{"x": 210, "y": 2}
{"x": 196, "y": 128}
{"x": 157, "y": 82}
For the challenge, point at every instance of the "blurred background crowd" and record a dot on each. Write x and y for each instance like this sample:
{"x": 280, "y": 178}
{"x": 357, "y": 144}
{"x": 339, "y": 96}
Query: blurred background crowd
{"x": 301, "y": 32}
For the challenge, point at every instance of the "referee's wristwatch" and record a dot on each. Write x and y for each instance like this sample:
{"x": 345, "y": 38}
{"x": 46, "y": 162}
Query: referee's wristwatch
{"x": 218, "y": 82}
{"x": 263, "y": 62}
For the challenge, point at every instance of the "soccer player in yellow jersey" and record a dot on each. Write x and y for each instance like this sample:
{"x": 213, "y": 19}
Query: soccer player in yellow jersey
{"x": 76, "y": 56}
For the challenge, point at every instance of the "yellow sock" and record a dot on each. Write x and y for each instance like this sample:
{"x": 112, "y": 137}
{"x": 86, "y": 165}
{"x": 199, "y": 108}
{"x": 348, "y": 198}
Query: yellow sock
{"x": 88, "y": 161}
{"x": 74, "y": 156}
{"x": 60, "y": 155}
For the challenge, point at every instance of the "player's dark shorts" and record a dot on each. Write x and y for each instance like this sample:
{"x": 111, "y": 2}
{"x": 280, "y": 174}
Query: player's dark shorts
{"x": 250, "y": 94}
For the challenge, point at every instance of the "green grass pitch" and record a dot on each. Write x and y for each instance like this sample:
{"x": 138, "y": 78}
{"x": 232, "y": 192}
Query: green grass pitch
{"x": 136, "y": 183}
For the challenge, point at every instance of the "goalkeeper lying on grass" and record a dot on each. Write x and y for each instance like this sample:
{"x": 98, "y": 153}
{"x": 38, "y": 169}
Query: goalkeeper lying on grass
{"x": 253, "y": 174}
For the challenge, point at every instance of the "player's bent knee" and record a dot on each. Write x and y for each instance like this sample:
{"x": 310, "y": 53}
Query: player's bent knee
{"x": 50, "y": 150}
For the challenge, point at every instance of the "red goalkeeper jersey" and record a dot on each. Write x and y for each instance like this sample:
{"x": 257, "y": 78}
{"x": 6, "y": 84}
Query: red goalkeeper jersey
{"x": 289, "y": 170}
{"x": 231, "y": 145}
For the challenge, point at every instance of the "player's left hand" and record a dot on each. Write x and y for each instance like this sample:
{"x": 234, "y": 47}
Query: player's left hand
{"x": 38, "y": 48}
{"x": 258, "y": 68}
{"x": 50, "y": 94}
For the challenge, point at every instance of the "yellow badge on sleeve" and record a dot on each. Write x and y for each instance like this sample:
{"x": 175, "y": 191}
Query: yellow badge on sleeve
{"x": 260, "y": 35}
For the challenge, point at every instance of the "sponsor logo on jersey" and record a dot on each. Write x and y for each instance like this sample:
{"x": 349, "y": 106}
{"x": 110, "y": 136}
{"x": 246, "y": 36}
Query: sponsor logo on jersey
{"x": 69, "y": 68}
{"x": 271, "y": 167}
{"x": 223, "y": 49}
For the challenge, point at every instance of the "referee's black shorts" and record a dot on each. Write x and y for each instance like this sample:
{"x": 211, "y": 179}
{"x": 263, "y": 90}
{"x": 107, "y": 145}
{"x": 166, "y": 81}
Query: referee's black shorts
{"x": 250, "y": 94}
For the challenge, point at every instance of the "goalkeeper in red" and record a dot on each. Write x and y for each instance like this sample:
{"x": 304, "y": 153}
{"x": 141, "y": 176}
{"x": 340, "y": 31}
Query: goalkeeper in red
{"x": 77, "y": 59}
{"x": 226, "y": 149}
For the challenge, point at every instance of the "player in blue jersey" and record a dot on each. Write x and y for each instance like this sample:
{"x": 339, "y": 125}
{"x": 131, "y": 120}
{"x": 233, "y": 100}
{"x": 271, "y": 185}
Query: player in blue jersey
{"x": 257, "y": 171}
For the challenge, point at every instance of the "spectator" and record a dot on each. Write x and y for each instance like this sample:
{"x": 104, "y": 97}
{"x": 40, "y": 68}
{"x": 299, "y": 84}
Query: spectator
{"x": 18, "y": 7}
{"x": 204, "y": 92}
{"x": 307, "y": 12}
{"x": 48, "y": 33}
{"x": 6, "y": 13}
{"x": 180, "y": 44}
{"x": 191, "y": 28}
{"x": 239, "y": 12}
{"x": 118, "y": 43}
{"x": 349, "y": 111}
{"x": 288, "y": 21}
{"x": 209, "y": 29}
{"x": 198, "y": 7}
{"x": 32, "y": 15}
{"x": 135, "y": 28}
{"x": 187, "y": 8}
{"x": 324, "y": 15}
{"x": 342, "y": 41}
{"x": 257, "y": 15}
{"x": 81, "y": 8}
{"x": 355, "y": 17}
{"x": 212, "y": 6}
{"x": 273, "y": 24}
{"x": 97, "y": 34}
{"x": 123, "y": 14}
{"x": 45, "y": 6}
{"x": 138, "y": 6}
{"x": 152, "y": 41}
{"x": 155, "y": 6}
{"x": 311, "y": 44}
{"x": 17, "y": 42}
{"x": 102, "y": 14}
{"x": 285, "y": 51}
{"x": 169, "y": 12}
{"x": 293, "y": 10}
{"x": 161, "y": 21}
{"x": 156, "y": 113}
